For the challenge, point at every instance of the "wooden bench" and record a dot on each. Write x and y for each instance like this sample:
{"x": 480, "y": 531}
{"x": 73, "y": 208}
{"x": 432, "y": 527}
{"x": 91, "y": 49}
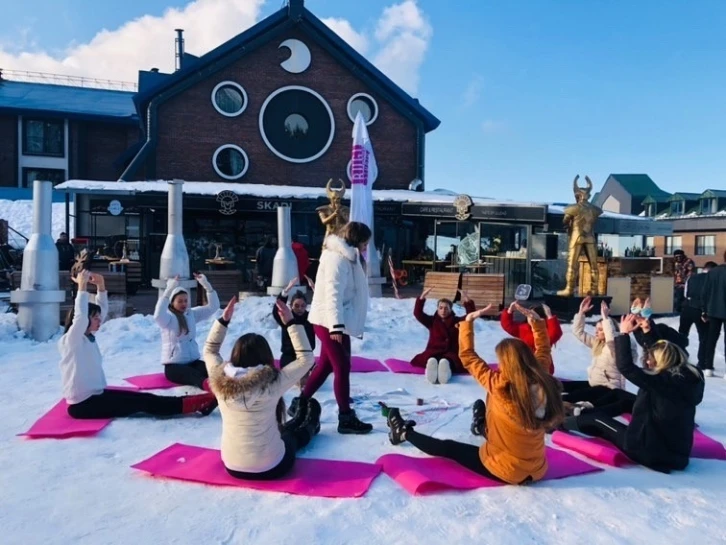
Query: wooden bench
{"x": 444, "y": 285}
{"x": 227, "y": 284}
{"x": 485, "y": 289}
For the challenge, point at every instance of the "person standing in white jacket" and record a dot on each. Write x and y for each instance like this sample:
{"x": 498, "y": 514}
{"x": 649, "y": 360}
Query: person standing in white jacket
{"x": 338, "y": 311}
{"x": 604, "y": 388}
{"x": 81, "y": 364}
{"x": 257, "y": 443}
{"x": 179, "y": 349}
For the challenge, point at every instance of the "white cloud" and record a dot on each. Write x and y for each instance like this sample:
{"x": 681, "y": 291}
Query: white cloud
{"x": 144, "y": 42}
{"x": 473, "y": 92}
{"x": 345, "y": 30}
{"x": 490, "y": 126}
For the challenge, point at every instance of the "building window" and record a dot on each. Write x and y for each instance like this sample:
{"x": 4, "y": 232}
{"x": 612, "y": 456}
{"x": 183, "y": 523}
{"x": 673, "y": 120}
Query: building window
{"x": 709, "y": 206}
{"x": 678, "y": 207}
{"x": 650, "y": 210}
{"x": 649, "y": 242}
{"x": 672, "y": 244}
{"x": 57, "y": 176}
{"x": 229, "y": 98}
{"x": 44, "y": 137}
{"x": 366, "y": 105}
{"x": 297, "y": 124}
{"x": 230, "y": 162}
{"x": 706, "y": 245}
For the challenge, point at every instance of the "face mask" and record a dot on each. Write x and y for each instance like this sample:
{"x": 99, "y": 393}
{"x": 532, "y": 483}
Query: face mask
{"x": 646, "y": 313}
{"x": 635, "y": 310}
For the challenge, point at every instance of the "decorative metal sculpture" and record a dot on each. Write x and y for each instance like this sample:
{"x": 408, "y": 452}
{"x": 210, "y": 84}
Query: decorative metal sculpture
{"x": 335, "y": 215}
{"x": 580, "y": 221}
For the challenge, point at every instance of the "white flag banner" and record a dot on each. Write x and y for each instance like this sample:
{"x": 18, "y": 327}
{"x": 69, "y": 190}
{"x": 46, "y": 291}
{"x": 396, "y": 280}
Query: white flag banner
{"x": 364, "y": 171}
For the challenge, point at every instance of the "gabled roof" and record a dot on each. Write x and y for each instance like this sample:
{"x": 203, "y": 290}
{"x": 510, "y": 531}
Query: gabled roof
{"x": 639, "y": 185}
{"x": 287, "y": 18}
{"x": 684, "y": 197}
{"x": 29, "y": 98}
{"x": 714, "y": 194}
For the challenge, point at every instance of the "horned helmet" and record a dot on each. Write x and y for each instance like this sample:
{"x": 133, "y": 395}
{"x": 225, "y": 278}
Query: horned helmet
{"x": 582, "y": 194}
{"x": 335, "y": 195}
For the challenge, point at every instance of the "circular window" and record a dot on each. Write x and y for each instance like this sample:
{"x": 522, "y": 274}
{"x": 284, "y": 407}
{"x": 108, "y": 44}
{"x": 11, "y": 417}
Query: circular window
{"x": 230, "y": 162}
{"x": 297, "y": 124}
{"x": 229, "y": 98}
{"x": 373, "y": 174}
{"x": 365, "y": 104}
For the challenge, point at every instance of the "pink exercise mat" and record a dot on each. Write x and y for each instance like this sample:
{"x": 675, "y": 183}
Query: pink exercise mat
{"x": 358, "y": 364}
{"x": 420, "y": 476}
{"x": 404, "y": 367}
{"x": 57, "y": 423}
{"x": 153, "y": 381}
{"x": 309, "y": 477}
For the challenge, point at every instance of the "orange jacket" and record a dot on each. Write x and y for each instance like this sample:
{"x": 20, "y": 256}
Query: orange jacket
{"x": 510, "y": 452}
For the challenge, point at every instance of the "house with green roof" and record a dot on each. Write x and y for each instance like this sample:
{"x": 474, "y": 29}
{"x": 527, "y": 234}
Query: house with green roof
{"x": 626, "y": 193}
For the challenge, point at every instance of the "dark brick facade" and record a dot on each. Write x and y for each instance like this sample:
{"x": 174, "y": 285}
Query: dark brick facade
{"x": 95, "y": 148}
{"x": 190, "y": 129}
{"x": 8, "y": 151}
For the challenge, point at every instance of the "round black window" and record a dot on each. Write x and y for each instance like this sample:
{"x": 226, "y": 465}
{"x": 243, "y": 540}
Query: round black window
{"x": 297, "y": 124}
{"x": 230, "y": 162}
{"x": 366, "y": 105}
{"x": 229, "y": 98}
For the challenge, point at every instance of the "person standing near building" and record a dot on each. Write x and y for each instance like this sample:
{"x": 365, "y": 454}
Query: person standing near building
{"x": 684, "y": 268}
{"x": 713, "y": 301}
{"x": 66, "y": 253}
{"x": 265, "y": 259}
{"x": 302, "y": 257}
{"x": 692, "y": 311}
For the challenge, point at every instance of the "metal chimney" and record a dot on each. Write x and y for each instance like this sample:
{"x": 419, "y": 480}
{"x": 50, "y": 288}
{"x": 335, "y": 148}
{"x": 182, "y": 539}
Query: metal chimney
{"x": 284, "y": 268}
{"x": 179, "y": 47}
{"x": 39, "y": 298}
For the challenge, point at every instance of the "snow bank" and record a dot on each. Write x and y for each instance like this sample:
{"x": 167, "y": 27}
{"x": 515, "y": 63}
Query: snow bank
{"x": 19, "y": 215}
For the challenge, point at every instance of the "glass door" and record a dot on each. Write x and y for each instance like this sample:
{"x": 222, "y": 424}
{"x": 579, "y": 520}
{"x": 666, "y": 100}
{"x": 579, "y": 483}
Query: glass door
{"x": 504, "y": 250}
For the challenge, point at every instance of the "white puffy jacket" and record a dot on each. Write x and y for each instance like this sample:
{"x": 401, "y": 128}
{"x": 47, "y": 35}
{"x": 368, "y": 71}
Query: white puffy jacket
{"x": 340, "y": 301}
{"x": 603, "y": 370}
{"x": 176, "y": 348}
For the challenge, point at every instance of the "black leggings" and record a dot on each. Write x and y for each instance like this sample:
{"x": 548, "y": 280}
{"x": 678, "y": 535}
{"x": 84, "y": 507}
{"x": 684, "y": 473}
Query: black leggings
{"x": 607, "y": 401}
{"x": 188, "y": 374}
{"x": 462, "y": 453}
{"x": 600, "y": 425}
{"x": 120, "y": 403}
{"x": 294, "y": 440}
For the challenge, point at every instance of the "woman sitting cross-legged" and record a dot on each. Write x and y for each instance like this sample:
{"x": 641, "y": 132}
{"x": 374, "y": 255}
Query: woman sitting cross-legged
{"x": 604, "y": 389}
{"x": 523, "y": 331}
{"x": 257, "y": 443}
{"x": 524, "y": 401}
{"x": 441, "y": 356}
{"x": 660, "y": 433}
{"x": 81, "y": 364}
{"x": 178, "y": 322}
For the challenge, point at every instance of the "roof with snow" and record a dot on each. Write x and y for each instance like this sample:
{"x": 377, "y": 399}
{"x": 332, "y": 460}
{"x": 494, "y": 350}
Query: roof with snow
{"x": 72, "y": 102}
{"x": 640, "y": 185}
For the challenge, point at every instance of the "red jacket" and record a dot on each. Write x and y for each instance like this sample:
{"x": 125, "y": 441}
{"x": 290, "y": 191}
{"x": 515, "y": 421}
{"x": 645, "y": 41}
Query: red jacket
{"x": 303, "y": 261}
{"x": 523, "y": 331}
{"x": 443, "y": 334}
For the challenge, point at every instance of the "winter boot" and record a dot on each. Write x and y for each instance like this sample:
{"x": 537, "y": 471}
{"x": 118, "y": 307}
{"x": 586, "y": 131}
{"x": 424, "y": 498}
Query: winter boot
{"x": 301, "y": 411}
{"x": 478, "y": 417}
{"x": 397, "y": 426}
{"x": 432, "y": 370}
{"x": 348, "y": 424}
{"x": 292, "y": 409}
{"x": 202, "y": 403}
{"x": 312, "y": 418}
{"x": 444, "y": 371}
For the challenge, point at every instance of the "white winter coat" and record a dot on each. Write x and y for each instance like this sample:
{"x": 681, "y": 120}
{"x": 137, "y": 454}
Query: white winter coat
{"x": 603, "y": 370}
{"x": 176, "y": 348}
{"x": 340, "y": 301}
{"x": 251, "y": 440}
{"x": 81, "y": 362}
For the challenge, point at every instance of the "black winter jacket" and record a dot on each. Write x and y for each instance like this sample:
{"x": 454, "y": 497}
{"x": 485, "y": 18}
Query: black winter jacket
{"x": 660, "y": 434}
{"x": 713, "y": 294}
{"x": 660, "y": 332}
{"x": 287, "y": 347}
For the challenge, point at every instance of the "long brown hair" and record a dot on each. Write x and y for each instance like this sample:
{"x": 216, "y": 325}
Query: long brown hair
{"x": 523, "y": 371}
{"x": 183, "y": 326}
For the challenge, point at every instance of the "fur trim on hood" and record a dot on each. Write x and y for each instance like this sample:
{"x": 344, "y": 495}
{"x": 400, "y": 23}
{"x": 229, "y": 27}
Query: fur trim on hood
{"x": 338, "y": 245}
{"x": 247, "y": 387}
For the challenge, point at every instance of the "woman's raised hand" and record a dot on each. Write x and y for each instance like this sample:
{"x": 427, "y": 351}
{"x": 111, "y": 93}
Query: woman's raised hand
{"x": 586, "y": 305}
{"x": 425, "y": 292}
{"x": 478, "y": 313}
{"x": 284, "y": 312}
{"x": 229, "y": 310}
{"x": 528, "y": 313}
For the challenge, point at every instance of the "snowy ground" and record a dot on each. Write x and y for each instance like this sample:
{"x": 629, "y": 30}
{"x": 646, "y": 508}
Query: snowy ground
{"x": 83, "y": 491}
{"x": 19, "y": 215}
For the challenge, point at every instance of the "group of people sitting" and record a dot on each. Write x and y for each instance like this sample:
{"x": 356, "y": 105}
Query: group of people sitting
{"x": 525, "y": 400}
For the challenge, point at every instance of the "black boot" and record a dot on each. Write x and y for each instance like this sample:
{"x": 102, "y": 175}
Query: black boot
{"x": 397, "y": 426}
{"x": 293, "y": 406}
{"x": 348, "y": 423}
{"x": 312, "y": 419}
{"x": 301, "y": 411}
{"x": 478, "y": 417}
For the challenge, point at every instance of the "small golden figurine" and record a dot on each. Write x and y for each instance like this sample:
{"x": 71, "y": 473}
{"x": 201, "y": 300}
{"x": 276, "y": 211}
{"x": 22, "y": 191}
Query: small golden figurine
{"x": 335, "y": 215}
{"x": 580, "y": 221}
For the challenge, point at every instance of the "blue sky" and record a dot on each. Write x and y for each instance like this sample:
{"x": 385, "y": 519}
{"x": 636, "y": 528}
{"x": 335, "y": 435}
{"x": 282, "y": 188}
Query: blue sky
{"x": 530, "y": 93}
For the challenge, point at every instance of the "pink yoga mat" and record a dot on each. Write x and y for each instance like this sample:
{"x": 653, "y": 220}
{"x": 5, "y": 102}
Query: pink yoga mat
{"x": 154, "y": 381}
{"x": 309, "y": 477}
{"x": 359, "y": 364}
{"x": 57, "y": 424}
{"x": 594, "y": 448}
{"x": 419, "y": 476}
{"x": 405, "y": 367}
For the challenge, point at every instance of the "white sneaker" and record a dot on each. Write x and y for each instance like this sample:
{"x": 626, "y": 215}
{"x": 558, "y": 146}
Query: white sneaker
{"x": 444, "y": 371}
{"x": 432, "y": 370}
{"x": 709, "y": 373}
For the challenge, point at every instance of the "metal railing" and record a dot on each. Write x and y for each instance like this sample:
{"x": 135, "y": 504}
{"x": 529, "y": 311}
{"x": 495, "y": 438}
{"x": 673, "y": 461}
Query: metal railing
{"x": 70, "y": 81}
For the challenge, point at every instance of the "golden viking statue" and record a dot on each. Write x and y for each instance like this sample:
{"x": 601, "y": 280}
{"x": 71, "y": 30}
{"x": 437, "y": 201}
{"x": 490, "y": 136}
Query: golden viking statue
{"x": 580, "y": 221}
{"x": 334, "y": 215}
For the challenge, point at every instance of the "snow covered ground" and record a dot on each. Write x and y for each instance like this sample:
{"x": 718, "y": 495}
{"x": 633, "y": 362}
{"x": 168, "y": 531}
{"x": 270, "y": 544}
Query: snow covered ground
{"x": 83, "y": 491}
{"x": 19, "y": 215}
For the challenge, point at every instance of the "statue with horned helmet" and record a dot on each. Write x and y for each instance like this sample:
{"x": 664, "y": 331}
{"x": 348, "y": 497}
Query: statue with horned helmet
{"x": 579, "y": 220}
{"x": 335, "y": 215}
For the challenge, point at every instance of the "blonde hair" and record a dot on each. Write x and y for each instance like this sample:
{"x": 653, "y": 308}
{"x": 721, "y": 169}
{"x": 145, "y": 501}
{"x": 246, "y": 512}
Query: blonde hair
{"x": 598, "y": 345}
{"x": 520, "y": 367}
{"x": 669, "y": 357}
